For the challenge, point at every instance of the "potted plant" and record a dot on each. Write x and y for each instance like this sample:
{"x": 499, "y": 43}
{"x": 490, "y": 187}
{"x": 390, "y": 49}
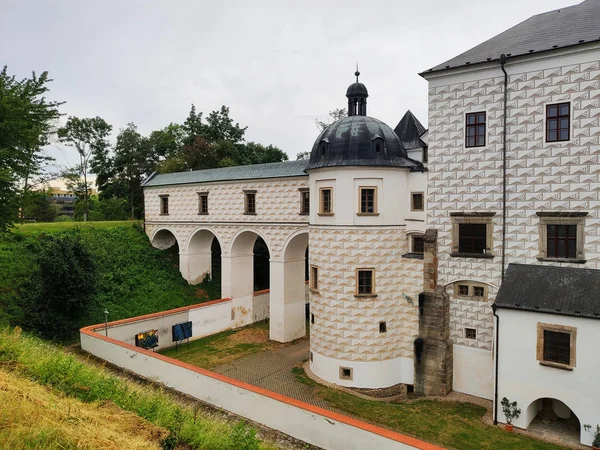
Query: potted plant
{"x": 595, "y": 434}
{"x": 511, "y": 411}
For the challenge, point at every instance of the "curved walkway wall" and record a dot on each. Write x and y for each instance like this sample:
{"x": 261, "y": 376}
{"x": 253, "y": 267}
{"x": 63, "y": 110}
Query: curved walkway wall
{"x": 306, "y": 422}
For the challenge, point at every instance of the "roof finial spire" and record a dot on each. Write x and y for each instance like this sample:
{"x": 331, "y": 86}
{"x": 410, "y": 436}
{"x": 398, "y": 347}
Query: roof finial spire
{"x": 357, "y": 73}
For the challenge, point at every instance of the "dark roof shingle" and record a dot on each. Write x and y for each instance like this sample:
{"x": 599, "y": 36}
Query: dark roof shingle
{"x": 573, "y": 25}
{"x": 549, "y": 289}
{"x": 250, "y": 172}
{"x": 410, "y": 130}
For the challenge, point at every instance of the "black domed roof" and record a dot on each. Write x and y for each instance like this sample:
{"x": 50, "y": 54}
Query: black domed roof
{"x": 359, "y": 141}
{"x": 357, "y": 89}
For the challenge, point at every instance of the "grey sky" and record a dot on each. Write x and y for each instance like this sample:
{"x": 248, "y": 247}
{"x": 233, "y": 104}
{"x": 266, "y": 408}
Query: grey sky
{"x": 278, "y": 65}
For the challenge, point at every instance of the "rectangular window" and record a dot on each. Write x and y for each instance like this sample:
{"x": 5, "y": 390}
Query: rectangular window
{"x": 418, "y": 244}
{"x": 345, "y": 373}
{"x": 556, "y": 345}
{"x": 478, "y": 291}
{"x": 164, "y": 205}
{"x": 326, "y": 206}
{"x": 202, "y": 203}
{"x": 314, "y": 278}
{"x": 417, "y": 203}
{"x": 463, "y": 290}
{"x": 472, "y": 238}
{"x": 304, "y": 201}
{"x": 558, "y": 122}
{"x": 365, "y": 281}
{"x": 471, "y": 333}
{"x": 312, "y": 319}
{"x": 561, "y": 241}
{"x": 368, "y": 200}
{"x": 249, "y": 202}
{"x": 475, "y": 130}
{"x": 562, "y": 236}
{"x": 382, "y": 327}
{"x": 470, "y": 291}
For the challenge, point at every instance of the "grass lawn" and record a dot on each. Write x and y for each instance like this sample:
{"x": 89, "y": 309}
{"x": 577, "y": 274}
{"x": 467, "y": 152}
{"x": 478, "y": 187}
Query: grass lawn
{"x": 49, "y": 227}
{"x": 222, "y": 348}
{"x": 449, "y": 424}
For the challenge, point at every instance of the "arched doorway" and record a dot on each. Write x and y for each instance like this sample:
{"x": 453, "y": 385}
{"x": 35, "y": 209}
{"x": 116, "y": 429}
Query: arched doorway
{"x": 245, "y": 269}
{"x": 201, "y": 260}
{"x": 288, "y": 290}
{"x": 550, "y": 416}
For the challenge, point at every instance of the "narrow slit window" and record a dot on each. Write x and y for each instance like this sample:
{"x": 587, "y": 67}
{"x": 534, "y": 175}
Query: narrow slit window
{"x": 164, "y": 205}
{"x": 304, "y": 201}
{"x": 314, "y": 278}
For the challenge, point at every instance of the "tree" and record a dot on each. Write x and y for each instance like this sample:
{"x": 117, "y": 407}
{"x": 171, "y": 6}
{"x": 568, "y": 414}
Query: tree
{"x": 89, "y": 137}
{"x": 333, "y": 116}
{"x": 26, "y": 124}
{"x": 36, "y": 205}
{"x": 303, "y": 155}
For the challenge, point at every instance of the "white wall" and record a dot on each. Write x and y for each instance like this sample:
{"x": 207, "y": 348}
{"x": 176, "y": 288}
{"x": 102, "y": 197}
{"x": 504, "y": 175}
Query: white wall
{"x": 473, "y": 371}
{"x": 522, "y": 378}
{"x": 302, "y": 421}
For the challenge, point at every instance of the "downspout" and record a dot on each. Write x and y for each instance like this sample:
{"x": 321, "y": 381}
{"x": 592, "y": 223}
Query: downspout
{"x": 502, "y": 63}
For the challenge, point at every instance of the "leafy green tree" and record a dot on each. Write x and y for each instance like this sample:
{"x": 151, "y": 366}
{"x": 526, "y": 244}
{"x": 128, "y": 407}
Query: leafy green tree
{"x": 26, "y": 125}
{"x": 113, "y": 208}
{"x": 221, "y": 127}
{"x": 37, "y": 205}
{"x": 303, "y": 155}
{"x": 67, "y": 280}
{"x": 89, "y": 136}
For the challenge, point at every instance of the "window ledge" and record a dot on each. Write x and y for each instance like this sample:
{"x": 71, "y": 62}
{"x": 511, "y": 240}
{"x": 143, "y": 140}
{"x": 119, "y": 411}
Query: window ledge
{"x": 413, "y": 255}
{"x": 203, "y": 214}
{"x": 365, "y": 295}
{"x": 556, "y": 365}
{"x": 561, "y": 213}
{"x": 472, "y": 255}
{"x": 249, "y": 214}
{"x": 325, "y": 214}
{"x": 367, "y": 214}
{"x": 164, "y": 214}
{"x": 563, "y": 260}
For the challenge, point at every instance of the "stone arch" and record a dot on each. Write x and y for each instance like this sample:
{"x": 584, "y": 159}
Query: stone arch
{"x": 295, "y": 245}
{"x": 242, "y": 242}
{"x": 554, "y": 414}
{"x": 164, "y": 238}
{"x": 196, "y": 259}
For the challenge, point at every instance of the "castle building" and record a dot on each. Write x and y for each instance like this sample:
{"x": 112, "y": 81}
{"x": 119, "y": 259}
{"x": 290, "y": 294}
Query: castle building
{"x": 464, "y": 257}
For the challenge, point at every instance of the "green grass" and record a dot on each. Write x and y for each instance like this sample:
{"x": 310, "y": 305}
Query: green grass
{"x": 189, "y": 427}
{"x": 449, "y": 424}
{"x": 133, "y": 277}
{"x": 222, "y": 348}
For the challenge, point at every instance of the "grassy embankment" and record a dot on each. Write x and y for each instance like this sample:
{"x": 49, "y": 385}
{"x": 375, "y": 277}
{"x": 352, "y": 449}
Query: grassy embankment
{"x": 133, "y": 278}
{"x": 52, "y": 399}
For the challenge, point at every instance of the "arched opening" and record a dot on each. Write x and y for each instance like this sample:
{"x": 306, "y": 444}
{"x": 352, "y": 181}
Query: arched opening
{"x": 165, "y": 240}
{"x": 550, "y": 416}
{"x": 261, "y": 265}
{"x": 202, "y": 261}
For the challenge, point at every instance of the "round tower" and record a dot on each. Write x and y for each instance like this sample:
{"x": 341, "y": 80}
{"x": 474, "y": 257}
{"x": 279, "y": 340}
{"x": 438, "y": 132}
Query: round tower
{"x": 365, "y": 270}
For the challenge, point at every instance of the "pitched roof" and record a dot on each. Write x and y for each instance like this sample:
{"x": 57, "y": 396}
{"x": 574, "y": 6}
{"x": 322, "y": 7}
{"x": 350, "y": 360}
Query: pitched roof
{"x": 250, "y": 172}
{"x": 551, "y": 289}
{"x": 410, "y": 130}
{"x": 574, "y": 25}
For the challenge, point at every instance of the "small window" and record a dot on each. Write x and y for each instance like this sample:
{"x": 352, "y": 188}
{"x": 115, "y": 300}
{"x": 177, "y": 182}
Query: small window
{"x": 326, "y": 206}
{"x": 304, "y": 201}
{"x": 345, "y": 373}
{"x": 311, "y": 356}
{"x": 471, "y": 333}
{"x": 202, "y": 203}
{"x": 558, "y": 120}
{"x": 323, "y": 146}
{"x": 382, "y": 327}
{"x": 556, "y": 345}
{"x": 561, "y": 236}
{"x": 312, "y": 319}
{"x": 368, "y": 200}
{"x": 470, "y": 291}
{"x": 377, "y": 145}
{"x": 249, "y": 202}
{"x": 475, "y": 130}
{"x": 418, "y": 244}
{"x": 164, "y": 205}
{"x": 365, "y": 282}
{"x": 314, "y": 278}
{"x": 463, "y": 290}
{"x": 472, "y": 234}
{"x": 417, "y": 203}
{"x": 478, "y": 291}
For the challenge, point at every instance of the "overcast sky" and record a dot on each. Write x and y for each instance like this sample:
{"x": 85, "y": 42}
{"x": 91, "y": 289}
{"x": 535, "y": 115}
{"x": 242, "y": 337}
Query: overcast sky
{"x": 278, "y": 65}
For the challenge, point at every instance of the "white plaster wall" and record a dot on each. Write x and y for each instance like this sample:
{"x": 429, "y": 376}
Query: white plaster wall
{"x": 308, "y": 425}
{"x": 260, "y": 308}
{"x": 473, "y": 371}
{"x": 522, "y": 378}
{"x": 207, "y": 320}
{"x": 375, "y": 374}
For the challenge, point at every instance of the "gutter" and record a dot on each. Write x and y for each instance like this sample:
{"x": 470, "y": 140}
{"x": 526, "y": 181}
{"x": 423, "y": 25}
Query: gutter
{"x": 494, "y": 307}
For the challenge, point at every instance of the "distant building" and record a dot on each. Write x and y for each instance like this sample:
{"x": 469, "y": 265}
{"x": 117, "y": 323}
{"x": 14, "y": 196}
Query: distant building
{"x": 64, "y": 199}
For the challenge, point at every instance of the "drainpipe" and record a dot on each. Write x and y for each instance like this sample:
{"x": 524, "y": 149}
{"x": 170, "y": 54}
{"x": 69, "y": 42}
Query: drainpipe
{"x": 502, "y": 62}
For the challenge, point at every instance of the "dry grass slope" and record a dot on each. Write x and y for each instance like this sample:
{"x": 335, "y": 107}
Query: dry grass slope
{"x": 33, "y": 416}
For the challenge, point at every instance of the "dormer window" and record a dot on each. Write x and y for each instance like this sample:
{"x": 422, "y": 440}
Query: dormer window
{"x": 377, "y": 145}
{"x": 323, "y": 146}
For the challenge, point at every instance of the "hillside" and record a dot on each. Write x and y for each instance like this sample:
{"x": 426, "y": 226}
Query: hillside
{"x": 132, "y": 277}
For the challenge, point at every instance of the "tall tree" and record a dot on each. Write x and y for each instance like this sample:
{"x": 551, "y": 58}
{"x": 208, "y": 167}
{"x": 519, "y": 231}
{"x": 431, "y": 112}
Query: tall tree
{"x": 26, "y": 124}
{"x": 89, "y": 136}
